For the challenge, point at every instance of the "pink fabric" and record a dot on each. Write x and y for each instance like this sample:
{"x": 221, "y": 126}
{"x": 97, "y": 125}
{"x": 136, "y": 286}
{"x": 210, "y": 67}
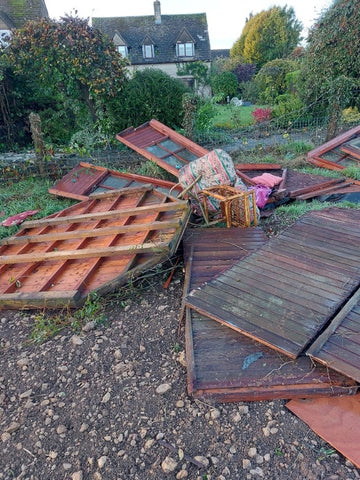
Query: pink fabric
{"x": 267, "y": 179}
{"x": 18, "y": 218}
{"x": 262, "y": 193}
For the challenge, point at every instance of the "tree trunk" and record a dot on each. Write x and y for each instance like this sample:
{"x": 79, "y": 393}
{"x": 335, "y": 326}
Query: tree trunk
{"x": 333, "y": 121}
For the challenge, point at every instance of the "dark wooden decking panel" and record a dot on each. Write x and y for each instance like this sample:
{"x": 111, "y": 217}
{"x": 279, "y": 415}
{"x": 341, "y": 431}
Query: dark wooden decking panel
{"x": 47, "y": 264}
{"x": 148, "y": 140}
{"x": 85, "y": 179}
{"x": 226, "y": 366}
{"x": 339, "y": 345}
{"x": 255, "y": 298}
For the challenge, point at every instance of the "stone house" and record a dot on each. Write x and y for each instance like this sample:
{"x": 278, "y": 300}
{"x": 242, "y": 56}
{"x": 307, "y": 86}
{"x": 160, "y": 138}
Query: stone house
{"x": 160, "y": 41}
{"x": 14, "y": 14}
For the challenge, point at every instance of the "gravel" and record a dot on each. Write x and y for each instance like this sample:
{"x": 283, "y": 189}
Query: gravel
{"x": 110, "y": 402}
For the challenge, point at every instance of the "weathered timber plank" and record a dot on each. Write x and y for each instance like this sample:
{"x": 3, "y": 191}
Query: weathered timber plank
{"x": 84, "y": 253}
{"x": 97, "y": 232}
{"x": 165, "y": 207}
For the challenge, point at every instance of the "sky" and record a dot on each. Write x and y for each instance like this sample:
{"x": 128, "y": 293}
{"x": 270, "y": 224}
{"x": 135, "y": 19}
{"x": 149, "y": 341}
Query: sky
{"x": 226, "y": 18}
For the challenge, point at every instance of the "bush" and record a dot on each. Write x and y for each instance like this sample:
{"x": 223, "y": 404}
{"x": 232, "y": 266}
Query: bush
{"x": 262, "y": 115}
{"x": 351, "y": 115}
{"x": 151, "y": 93}
{"x": 288, "y": 108}
{"x": 225, "y": 84}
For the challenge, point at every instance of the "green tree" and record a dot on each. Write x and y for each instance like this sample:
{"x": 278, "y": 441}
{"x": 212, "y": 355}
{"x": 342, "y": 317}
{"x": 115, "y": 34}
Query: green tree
{"x": 224, "y": 84}
{"x": 268, "y": 35}
{"x": 273, "y": 79}
{"x": 69, "y": 61}
{"x": 151, "y": 93}
{"x": 331, "y": 67}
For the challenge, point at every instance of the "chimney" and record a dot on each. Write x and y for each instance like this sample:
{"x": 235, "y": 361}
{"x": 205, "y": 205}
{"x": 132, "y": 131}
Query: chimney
{"x": 157, "y": 12}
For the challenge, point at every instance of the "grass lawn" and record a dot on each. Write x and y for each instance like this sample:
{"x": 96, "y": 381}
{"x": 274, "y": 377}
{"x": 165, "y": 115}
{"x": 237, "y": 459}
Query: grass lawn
{"x": 228, "y": 116}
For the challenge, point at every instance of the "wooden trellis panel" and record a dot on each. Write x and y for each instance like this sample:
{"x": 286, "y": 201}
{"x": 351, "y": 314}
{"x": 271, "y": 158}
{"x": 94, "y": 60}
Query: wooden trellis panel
{"x": 93, "y": 246}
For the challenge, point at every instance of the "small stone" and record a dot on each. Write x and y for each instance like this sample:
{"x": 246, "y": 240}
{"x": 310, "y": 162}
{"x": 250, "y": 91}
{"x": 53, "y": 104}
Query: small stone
{"x": 163, "y": 388}
{"x": 61, "y": 429}
{"x": 76, "y": 340}
{"x": 243, "y": 409}
{"x": 106, "y": 397}
{"x": 246, "y": 464}
{"x": 215, "y": 413}
{"x": 142, "y": 349}
{"x": 236, "y": 418}
{"x": 102, "y": 460}
{"x": 149, "y": 443}
{"x": 13, "y": 427}
{"x": 266, "y": 431}
{"x": 169, "y": 464}
{"x": 252, "y": 452}
{"x": 267, "y": 457}
{"x": 257, "y": 471}
{"x": 77, "y": 475}
{"x": 203, "y": 460}
{"x": 84, "y": 427}
{"x": 89, "y": 326}
{"x": 26, "y": 394}
{"x": 180, "y": 404}
{"x": 5, "y": 436}
{"x": 259, "y": 459}
{"x": 52, "y": 455}
{"x": 273, "y": 430}
{"x": 66, "y": 466}
{"x": 181, "y": 474}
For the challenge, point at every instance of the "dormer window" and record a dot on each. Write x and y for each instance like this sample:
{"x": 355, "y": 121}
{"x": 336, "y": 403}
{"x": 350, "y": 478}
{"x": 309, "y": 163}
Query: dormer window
{"x": 185, "y": 44}
{"x": 185, "y": 49}
{"x": 123, "y": 50}
{"x": 148, "y": 51}
{"x": 121, "y": 45}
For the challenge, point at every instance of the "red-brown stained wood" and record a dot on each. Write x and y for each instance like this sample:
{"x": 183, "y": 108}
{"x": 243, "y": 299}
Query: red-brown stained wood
{"x": 86, "y": 179}
{"x": 286, "y": 292}
{"x": 162, "y": 145}
{"x": 54, "y": 272}
{"x": 336, "y": 420}
{"x": 224, "y": 365}
{"x": 335, "y": 155}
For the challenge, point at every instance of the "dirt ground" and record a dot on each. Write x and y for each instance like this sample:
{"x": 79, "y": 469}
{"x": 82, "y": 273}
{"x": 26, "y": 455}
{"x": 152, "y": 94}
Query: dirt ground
{"x": 111, "y": 403}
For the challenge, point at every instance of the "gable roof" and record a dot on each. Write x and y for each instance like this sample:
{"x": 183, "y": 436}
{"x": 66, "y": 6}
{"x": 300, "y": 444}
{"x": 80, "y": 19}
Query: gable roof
{"x": 15, "y": 13}
{"x": 165, "y": 35}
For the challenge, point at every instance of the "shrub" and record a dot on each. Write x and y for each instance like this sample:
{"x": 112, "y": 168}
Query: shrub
{"x": 225, "y": 84}
{"x": 351, "y": 115}
{"x": 262, "y": 115}
{"x": 151, "y": 93}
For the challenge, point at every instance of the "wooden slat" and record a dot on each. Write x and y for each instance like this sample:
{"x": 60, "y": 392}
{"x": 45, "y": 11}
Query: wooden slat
{"x": 329, "y": 351}
{"x": 97, "y": 232}
{"x": 288, "y": 319}
{"x": 83, "y": 253}
{"x": 166, "y": 207}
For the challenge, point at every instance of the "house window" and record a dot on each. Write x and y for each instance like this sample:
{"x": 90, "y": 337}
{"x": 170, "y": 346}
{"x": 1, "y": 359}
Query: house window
{"x": 5, "y": 37}
{"x": 185, "y": 49}
{"x": 123, "y": 50}
{"x": 148, "y": 51}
